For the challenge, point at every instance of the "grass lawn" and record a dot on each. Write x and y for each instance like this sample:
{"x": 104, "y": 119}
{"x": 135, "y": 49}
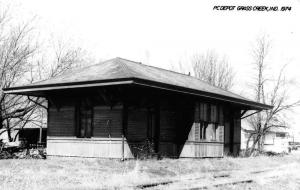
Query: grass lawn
{"x": 280, "y": 172}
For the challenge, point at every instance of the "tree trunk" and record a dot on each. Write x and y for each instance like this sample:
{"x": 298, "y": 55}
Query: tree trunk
{"x": 259, "y": 144}
{"x": 8, "y": 130}
{"x": 1, "y": 119}
{"x": 254, "y": 144}
{"x": 262, "y": 142}
{"x": 247, "y": 146}
{"x": 9, "y": 135}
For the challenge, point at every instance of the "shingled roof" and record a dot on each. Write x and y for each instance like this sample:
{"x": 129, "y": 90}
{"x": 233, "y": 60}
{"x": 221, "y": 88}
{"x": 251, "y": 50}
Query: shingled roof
{"x": 122, "y": 71}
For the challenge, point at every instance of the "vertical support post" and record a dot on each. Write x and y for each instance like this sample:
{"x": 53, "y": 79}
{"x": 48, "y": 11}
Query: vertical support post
{"x": 123, "y": 148}
{"x": 157, "y": 127}
{"x": 231, "y": 134}
{"x": 48, "y": 118}
{"x": 40, "y": 136}
{"x": 124, "y": 128}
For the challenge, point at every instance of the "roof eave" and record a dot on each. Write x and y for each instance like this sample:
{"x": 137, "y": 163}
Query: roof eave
{"x": 250, "y": 104}
{"x": 25, "y": 90}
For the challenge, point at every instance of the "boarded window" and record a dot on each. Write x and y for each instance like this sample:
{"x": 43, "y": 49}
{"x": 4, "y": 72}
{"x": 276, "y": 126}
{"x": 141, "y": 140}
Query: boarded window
{"x": 61, "y": 122}
{"x": 167, "y": 125}
{"x": 107, "y": 122}
{"x": 137, "y": 124}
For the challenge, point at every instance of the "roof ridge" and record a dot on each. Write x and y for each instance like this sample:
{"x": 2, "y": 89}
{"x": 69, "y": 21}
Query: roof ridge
{"x": 129, "y": 60}
{"x": 128, "y": 72}
{"x": 156, "y": 67}
{"x": 189, "y": 76}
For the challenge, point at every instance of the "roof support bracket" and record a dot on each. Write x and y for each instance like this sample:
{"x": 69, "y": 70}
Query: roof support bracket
{"x": 251, "y": 114}
{"x": 243, "y": 113}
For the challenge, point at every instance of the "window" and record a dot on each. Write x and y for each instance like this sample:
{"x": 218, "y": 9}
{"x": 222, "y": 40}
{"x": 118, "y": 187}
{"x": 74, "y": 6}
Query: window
{"x": 203, "y": 130}
{"x": 211, "y": 132}
{"x": 282, "y": 135}
{"x": 208, "y": 131}
{"x": 200, "y": 131}
{"x": 208, "y": 122}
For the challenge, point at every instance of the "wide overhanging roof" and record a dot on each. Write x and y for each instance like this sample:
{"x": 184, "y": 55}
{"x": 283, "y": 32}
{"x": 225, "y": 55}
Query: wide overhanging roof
{"x": 120, "y": 71}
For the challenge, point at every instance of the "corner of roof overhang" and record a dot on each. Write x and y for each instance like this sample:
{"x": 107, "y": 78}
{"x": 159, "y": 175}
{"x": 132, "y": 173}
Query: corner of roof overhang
{"x": 25, "y": 90}
{"x": 259, "y": 106}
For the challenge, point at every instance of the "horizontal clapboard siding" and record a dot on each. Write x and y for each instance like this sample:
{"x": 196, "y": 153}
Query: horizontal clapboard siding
{"x": 137, "y": 125}
{"x": 107, "y": 122}
{"x": 167, "y": 126}
{"x": 61, "y": 121}
{"x": 168, "y": 149}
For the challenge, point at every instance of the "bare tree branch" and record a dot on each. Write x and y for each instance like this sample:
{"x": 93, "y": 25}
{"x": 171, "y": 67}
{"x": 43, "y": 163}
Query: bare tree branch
{"x": 276, "y": 96}
{"x": 217, "y": 72}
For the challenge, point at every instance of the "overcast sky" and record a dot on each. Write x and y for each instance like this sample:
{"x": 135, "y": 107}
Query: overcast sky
{"x": 162, "y": 33}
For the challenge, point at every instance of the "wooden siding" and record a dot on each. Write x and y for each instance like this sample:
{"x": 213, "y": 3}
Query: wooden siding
{"x": 61, "y": 122}
{"x": 227, "y": 133}
{"x": 227, "y": 138}
{"x": 93, "y": 147}
{"x": 237, "y": 137}
{"x": 137, "y": 125}
{"x": 167, "y": 126}
{"x": 213, "y": 144}
{"x": 201, "y": 150}
{"x": 167, "y": 145}
{"x": 237, "y": 131}
{"x": 203, "y": 111}
{"x": 178, "y": 135}
{"x": 168, "y": 149}
{"x": 208, "y": 113}
{"x": 220, "y": 133}
{"x": 214, "y": 114}
{"x": 221, "y": 115}
{"x": 107, "y": 122}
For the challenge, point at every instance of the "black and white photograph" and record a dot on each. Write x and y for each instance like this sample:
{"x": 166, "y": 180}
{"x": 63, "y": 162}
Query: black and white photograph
{"x": 149, "y": 95}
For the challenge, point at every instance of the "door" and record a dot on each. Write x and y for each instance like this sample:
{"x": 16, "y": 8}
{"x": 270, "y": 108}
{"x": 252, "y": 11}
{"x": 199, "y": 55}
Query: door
{"x": 85, "y": 121}
{"x": 153, "y": 128}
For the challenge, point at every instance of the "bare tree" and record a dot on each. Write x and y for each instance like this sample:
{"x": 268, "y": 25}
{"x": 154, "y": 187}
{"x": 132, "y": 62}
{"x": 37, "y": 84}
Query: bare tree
{"x": 268, "y": 91}
{"x": 15, "y": 51}
{"x": 21, "y": 62}
{"x": 210, "y": 68}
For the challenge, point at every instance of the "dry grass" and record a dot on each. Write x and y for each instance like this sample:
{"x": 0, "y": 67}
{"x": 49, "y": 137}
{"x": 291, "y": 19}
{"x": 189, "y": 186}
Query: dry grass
{"x": 76, "y": 173}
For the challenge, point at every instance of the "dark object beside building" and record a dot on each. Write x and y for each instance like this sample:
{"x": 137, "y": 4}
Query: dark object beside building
{"x": 30, "y": 137}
